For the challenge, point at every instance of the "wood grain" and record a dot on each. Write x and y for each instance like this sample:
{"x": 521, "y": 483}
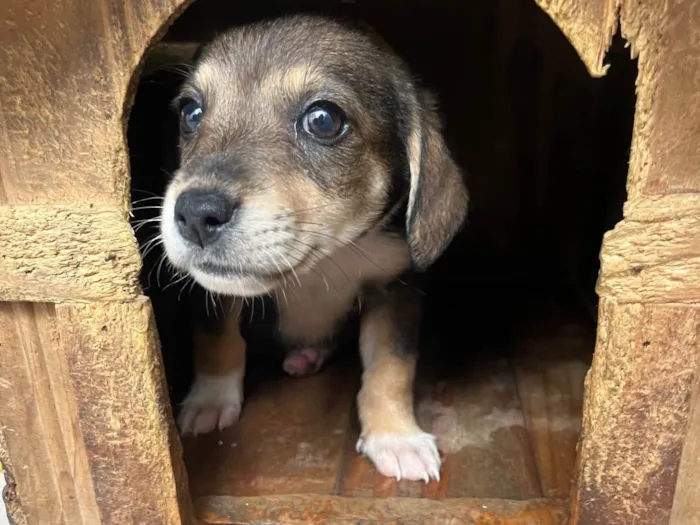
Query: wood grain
{"x": 650, "y": 261}
{"x": 66, "y": 75}
{"x": 289, "y": 440}
{"x": 686, "y": 503}
{"x": 589, "y": 26}
{"x": 479, "y": 425}
{"x": 304, "y": 510}
{"x": 66, "y": 254}
{"x": 550, "y": 371}
{"x": 665, "y": 155}
{"x": 132, "y": 449}
{"x": 636, "y": 413}
{"x": 38, "y": 420}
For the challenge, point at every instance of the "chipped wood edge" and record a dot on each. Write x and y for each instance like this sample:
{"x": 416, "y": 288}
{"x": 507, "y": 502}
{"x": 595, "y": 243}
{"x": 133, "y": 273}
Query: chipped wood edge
{"x": 589, "y": 26}
{"x": 67, "y": 253}
{"x": 9, "y": 496}
{"x": 302, "y": 509}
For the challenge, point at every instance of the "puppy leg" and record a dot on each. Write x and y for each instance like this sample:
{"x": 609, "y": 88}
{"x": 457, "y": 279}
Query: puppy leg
{"x": 391, "y": 437}
{"x": 217, "y": 393}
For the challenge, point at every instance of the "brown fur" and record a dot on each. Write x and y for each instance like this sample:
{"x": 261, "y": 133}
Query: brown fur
{"x": 309, "y": 213}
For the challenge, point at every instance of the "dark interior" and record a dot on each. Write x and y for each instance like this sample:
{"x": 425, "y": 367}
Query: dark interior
{"x": 545, "y": 149}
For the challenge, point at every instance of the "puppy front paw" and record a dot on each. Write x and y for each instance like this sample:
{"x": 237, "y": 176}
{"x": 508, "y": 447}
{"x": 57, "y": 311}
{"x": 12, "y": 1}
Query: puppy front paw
{"x": 413, "y": 457}
{"x": 213, "y": 402}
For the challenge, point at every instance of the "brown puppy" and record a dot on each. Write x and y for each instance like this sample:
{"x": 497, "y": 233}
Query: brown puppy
{"x": 313, "y": 169}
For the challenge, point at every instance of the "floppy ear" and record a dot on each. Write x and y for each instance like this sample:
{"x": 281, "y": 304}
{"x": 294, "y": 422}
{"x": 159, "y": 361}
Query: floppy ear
{"x": 437, "y": 202}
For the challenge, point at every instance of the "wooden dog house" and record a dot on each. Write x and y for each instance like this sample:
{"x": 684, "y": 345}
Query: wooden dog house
{"x": 86, "y": 427}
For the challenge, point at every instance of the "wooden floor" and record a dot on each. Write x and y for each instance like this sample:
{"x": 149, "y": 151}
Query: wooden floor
{"x": 507, "y": 425}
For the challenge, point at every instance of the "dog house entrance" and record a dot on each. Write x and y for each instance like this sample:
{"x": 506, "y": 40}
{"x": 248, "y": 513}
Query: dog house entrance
{"x": 511, "y": 310}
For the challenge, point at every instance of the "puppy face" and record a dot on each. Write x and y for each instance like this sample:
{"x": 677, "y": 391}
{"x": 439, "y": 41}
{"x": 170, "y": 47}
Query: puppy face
{"x": 298, "y": 137}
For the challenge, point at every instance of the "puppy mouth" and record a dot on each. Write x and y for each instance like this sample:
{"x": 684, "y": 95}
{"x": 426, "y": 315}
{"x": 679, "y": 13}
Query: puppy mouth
{"x": 242, "y": 280}
{"x": 239, "y": 272}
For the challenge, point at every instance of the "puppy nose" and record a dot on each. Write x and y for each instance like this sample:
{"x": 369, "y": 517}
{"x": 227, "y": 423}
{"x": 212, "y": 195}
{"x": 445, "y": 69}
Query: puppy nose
{"x": 201, "y": 215}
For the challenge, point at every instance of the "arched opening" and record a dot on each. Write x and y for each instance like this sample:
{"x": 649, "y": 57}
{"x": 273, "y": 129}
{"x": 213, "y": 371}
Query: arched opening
{"x": 510, "y": 320}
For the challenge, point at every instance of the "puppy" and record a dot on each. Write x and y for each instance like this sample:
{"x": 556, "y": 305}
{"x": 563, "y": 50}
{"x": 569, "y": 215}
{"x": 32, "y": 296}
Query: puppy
{"x": 313, "y": 170}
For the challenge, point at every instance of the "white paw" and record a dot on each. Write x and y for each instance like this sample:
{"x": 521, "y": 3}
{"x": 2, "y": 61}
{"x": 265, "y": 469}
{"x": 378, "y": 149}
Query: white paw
{"x": 213, "y": 402}
{"x": 403, "y": 457}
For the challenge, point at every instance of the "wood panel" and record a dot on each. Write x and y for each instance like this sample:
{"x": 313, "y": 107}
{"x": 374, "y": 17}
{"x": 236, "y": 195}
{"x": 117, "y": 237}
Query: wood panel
{"x": 638, "y": 396}
{"x": 480, "y": 429}
{"x": 290, "y": 439}
{"x": 550, "y": 370}
{"x": 302, "y": 510}
{"x": 686, "y": 503}
{"x": 132, "y": 448}
{"x": 62, "y": 253}
{"x": 38, "y": 419}
{"x": 65, "y": 74}
{"x": 652, "y": 261}
{"x": 665, "y": 155}
{"x": 589, "y": 26}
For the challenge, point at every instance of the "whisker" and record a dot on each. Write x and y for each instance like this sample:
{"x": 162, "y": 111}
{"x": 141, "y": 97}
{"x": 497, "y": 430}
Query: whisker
{"x": 291, "y": 269}
{"x": 155, "y": 197}
{"x": 146, "y": 192}
{"x": 144, "y": 222}
{"x": 290, "y": 214}
{"x": 350, "y": 244}
{"x": 160, "y": 267}
{"x": 139, "y": 208}
{"x": 330, "y": 258}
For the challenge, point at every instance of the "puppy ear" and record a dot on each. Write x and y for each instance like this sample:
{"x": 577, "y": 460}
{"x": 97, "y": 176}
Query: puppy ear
{"x": 437, "y": 203}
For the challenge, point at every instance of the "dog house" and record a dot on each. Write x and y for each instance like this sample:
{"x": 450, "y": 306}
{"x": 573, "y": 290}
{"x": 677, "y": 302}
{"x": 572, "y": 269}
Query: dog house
{"x": 87, "y": 434}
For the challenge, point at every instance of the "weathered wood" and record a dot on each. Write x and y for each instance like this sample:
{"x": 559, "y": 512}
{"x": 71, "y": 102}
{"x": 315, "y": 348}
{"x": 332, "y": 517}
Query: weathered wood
{"x": 636, "y": 412}
{"x": 478, "y": 421}
{"x": 132, "y": 448}
{"x": 302, "y": 510}
{"x": 686, "y": 503}
{"x": 290, "y": 439}
{"x": 550, "y": 371}
{"x": 38, "y": 421}
{"x": 665, "y": 156}
{"x": 647, "y": 261}
{"x": 59, "y": 253}
{"x": 66, "y": 76}
{"x": 588, "y": 25}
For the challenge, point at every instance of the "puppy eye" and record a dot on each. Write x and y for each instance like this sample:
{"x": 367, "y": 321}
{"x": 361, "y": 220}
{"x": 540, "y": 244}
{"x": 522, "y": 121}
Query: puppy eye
{"x": 325, "y": 121}
{"x": 191, "y": 114}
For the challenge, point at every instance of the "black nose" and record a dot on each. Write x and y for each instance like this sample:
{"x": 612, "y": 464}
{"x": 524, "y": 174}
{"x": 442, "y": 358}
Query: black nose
{"x": 201, "y": 215}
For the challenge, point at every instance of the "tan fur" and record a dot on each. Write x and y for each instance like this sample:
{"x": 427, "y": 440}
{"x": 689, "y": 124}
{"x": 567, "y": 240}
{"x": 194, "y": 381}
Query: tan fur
{"x": 312, "y": 218}
{"x": 222, "y": 353}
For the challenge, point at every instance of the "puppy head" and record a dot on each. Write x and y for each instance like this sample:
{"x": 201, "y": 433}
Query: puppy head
{"x": 298, "y": 137}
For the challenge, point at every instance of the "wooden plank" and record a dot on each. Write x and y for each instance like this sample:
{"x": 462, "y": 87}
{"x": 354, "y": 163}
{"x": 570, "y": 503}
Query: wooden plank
{"x": 66, "y": 75}
{"x": 46, "y": 452}
{"x": 686, "y": 503}
{"x": 478, "y": 421}
{"x": 9, "y": 496}
{"x": 133, "y": 451}
{"x": 665, "y": 155}
{"x": 550, "y": 370}
{"x": 302, "y": 510}
{"x": 638, "y": 395}
{"x": 289, "y": 440}
{"x": 647, "y": 261}
{"x": 589, "y": 26}
{"x": 67, "y": 254}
